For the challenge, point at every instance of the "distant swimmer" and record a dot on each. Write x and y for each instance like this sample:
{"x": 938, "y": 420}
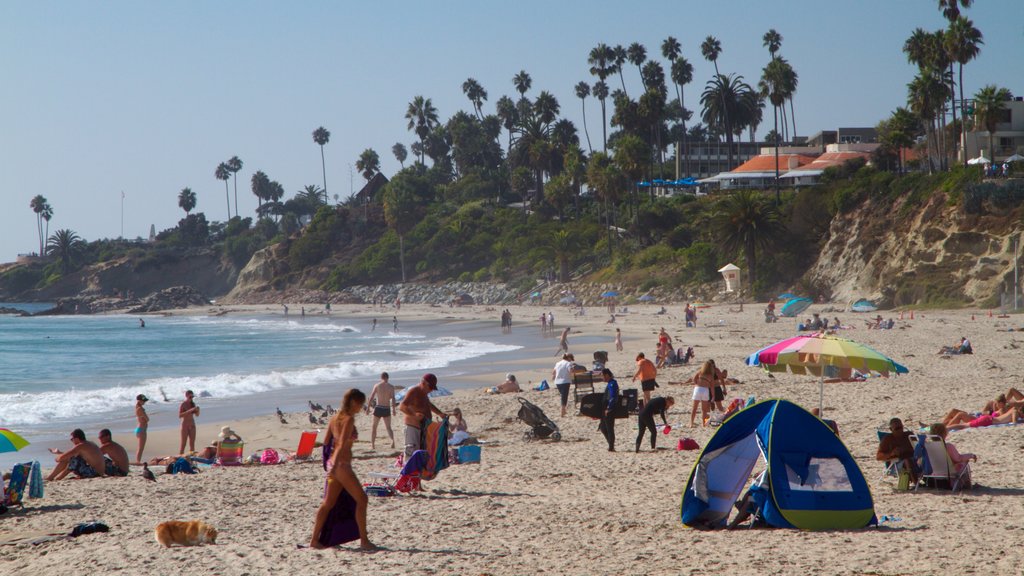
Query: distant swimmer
{"x": 142, "y": 323}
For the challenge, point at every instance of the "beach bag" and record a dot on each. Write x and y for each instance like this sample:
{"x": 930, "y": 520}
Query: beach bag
{"x": 687, "y": 444}
{"x": 543, "y": 386}
{"x": 903, "y": 484}
{"x": 182, "y": 466}
{"x": 270, "y": 456}
{"x": 88, "y": 528}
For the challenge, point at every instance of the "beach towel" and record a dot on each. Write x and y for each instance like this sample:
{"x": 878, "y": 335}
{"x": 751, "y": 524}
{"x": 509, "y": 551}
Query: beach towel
{"x": 436, "y": 445}
{"x": 35, "y": 481}
{"x": 341, "y": 526}
{"x": 921, "y": 456}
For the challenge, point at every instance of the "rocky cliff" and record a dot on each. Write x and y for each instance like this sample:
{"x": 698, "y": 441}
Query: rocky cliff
{"x": 912, "y": 252}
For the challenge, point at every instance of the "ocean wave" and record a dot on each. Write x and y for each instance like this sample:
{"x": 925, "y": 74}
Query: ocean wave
{"x": 46, "y": 407}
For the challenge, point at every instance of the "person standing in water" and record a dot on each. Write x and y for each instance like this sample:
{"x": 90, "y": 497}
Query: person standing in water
{"x": 143, "y": 423}
{"x": 618, "y": 340}
{"x": 394, "y": 324}
{"x": 142, "y": 323}
{"x": 373, "y": 326}
{"x": 382, "y": 399}
{"x": 187, "y": 412}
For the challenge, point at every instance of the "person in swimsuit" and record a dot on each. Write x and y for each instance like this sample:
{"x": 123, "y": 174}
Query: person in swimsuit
{"x": 646, "y": 423}
{"x": 143, "y": 421}
{"x": 188, "y": 412}
{"x": 341, "y": 476}
{"x": 115, "y": 457}
{"x": 646, "y": 373}
{"x": 563, "y": 342}
{"x": 703, "y": 381}
{"x": 896, "y": 447}
{"x": 382, "y": 398}
{"x": 618, "y": 340}
{"x": 417, "y": 407}
{"x": 84, "y": 460}
{"x": 961, "y": 419}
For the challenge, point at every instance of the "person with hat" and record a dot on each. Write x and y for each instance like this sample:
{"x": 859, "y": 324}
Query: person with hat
{"x": 417, "y": 407}
{"x": 140, "y": 430}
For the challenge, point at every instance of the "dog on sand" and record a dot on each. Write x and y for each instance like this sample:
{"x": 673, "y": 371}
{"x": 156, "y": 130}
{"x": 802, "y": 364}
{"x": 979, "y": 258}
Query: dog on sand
{"x": 191, "y": 533}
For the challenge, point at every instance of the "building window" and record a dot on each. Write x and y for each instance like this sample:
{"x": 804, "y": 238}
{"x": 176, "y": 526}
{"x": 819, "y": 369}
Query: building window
{"x": 849, "y": 139}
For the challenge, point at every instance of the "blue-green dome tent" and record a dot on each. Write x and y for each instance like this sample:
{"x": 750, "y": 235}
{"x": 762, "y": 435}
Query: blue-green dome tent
{"x": 813, "y": 483}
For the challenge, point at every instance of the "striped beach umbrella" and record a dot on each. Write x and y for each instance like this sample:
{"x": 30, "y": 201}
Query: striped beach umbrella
{"x": 10, "y": 441}
{"x": 823, "y": 355}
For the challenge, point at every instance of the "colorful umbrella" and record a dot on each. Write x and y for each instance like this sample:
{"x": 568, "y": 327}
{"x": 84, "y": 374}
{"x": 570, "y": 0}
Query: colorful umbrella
{"x": 823, "y": 355}
{"x": 10, "y": 441}
{"x": 610, "y": 294}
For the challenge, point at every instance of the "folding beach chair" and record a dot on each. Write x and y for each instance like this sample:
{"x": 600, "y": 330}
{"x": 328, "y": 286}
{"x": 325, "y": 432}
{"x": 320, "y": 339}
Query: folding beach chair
{"x": 943, "y": 472}
{"x": 14, "y": 494}
{"x": 229, "y": 453}
{"x": 307, "y": 441}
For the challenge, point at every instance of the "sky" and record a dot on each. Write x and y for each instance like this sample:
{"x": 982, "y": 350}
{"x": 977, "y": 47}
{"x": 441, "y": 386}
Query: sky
{"x": 146, "y": 98}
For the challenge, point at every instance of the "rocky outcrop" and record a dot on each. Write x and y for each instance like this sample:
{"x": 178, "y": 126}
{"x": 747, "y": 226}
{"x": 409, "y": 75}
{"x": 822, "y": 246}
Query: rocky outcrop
{"x": 254, "y": 284}
{"x": 171, "y": 299}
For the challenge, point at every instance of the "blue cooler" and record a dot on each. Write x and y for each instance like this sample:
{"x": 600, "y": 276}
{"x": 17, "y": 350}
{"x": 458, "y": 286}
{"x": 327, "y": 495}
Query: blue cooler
{"x": 469, "y": 454}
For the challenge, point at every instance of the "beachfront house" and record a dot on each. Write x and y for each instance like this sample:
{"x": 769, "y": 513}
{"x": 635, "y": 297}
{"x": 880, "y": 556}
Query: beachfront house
{"x": 1008, "y": 138}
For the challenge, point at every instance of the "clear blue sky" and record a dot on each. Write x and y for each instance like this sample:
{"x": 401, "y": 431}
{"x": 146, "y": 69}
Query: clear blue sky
{"x": 146, "y": 97}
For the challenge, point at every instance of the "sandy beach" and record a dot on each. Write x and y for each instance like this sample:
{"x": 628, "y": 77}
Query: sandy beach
{"x": 571, "y": 507}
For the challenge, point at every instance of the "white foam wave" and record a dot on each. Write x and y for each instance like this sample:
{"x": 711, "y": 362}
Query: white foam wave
{"x": 45, "y": 407}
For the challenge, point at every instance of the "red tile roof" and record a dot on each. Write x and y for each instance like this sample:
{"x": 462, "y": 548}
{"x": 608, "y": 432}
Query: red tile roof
{"x": 766, "y": 163}
{"x": 829, "y": 159}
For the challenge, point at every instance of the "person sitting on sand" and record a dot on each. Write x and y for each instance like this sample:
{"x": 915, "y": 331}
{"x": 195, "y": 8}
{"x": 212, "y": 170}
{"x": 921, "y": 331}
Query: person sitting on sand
{"x": 964, "y": 347}
{"x": 509, "y": 386}
{"x": 959, "y": 460}
{"x": 896, "y": 446}
{"x": 458, "y": 428}
{"x": 752, "y": 503}
{"x": 1013, "y": 397}
{"x": 830, "y": 423}
{"x": 115, "y": 457}
{"x": 226, "y": 435}
{"x": 85, "y": 460}
{"x": 382, "y": 399}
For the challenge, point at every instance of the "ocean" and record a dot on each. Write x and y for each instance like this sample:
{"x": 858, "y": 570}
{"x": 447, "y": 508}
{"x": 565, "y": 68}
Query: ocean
{"x": 64, "y": 372}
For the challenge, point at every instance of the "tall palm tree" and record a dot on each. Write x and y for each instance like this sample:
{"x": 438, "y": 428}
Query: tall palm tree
{"x": 602, "y": 64}
{"x": 963, "y": 43}
{"x": 746, "y": 221}
{"x": 38, "y": 205}
{"x": 637, "y": 55}
{"x": 600, "y": 92}
{"x": 951, "y": 8}
{"x": 682, "y": 74}
{"x": 422, "y": 117}
{"x": 790, "y": 81}
{"x": 322, "y": 136}
{"x": 186, "y": 200}
{"x": 772, "y": 40}
{"x": 926, "y": 94}
{"x": 476, "y": 94}
{"x": 563, "y": 244}
{"x": 47, "y": 215}
{"x": 223, "y": 172}
{"x": 671, "y": 49}
{"x": 722, "y": 100}
{"x": 65, "y": 244}
{"x": 234, "y": 165}
{"x": 989, "y": 104}
{"x": 582, "y": 91}
{"x": 522, "y": 82}
{"x": 400, "y": 153}
{"x": 770, "y": 87}
{"x": 368, "y": 164}
{"x": 260, "y": 185}
{"x": 711, "y": 48}
{"x": 619, "y": 57}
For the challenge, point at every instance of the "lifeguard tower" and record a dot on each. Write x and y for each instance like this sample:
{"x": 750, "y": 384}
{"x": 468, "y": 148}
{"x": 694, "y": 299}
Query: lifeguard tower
{"x": 731, "y": 274}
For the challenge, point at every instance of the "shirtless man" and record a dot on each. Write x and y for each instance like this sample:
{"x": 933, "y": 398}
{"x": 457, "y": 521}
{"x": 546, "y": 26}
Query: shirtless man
{"x": 143, "y": 420}
{"x": 382, "y": 398}
{"x": 115, "y": 457}
{"x": 84, "y": 460}
{"x": 416, "y": 406}
{"x": 188, "y": 412}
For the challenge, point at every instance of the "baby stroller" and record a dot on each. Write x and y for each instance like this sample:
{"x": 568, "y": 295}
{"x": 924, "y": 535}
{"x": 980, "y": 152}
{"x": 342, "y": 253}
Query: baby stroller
{"x": 541, "y": 427}
{"x": 600, "y": 359}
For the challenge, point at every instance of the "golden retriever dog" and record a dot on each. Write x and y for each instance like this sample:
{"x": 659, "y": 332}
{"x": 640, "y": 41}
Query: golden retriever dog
{"x": 191, "y": 533}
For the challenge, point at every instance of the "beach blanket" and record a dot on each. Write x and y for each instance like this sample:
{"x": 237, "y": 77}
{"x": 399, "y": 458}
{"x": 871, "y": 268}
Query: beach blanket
{"x": 35, "y": 482}
{"x": 341, "y": 526}
{"x": 435, "y": 443}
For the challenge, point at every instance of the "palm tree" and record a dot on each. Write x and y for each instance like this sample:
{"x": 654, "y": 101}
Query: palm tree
{"x": 223, "y": 172}
{"x": 711, "y": 48}
{"x": 522, "y": 82}
{"x": 234, "y": 165}
{"x": 260, "y": 185}
{"x": 186, "y": 200}
{"x": 602, "y": 64}
{"x": 637, "y": 55}
{"x": 601, "y": 93}
{"x": 368, "y": 163}
{"x": 722, "y": 100}
{"x": 619, "y": 57}
{"x": 476, "y": 94}
{"x": 671, "y": 49}
{"x": 790, "y": 80}
{"x": 682, "y": 74}
{"x": 951, "y": 8}
{"x": 38, "y": 205}
{"x": 422, "y": 117}
{"x": 746, "y": 221}
{"x": 322, "y": 136}
{"x": 772, "y": 40}
{"x": 47, "y": 215}
{"x": 963, "y": 43}
{"x": 770, "y": 87}
{"x": 400, "y": 153}
{"x": 563, "y": 244}
{"x": 926, "y": 94}
{"x": 582, "y": 91}
{"x": 989, "y": 104}
{"x": 65, "y": 244}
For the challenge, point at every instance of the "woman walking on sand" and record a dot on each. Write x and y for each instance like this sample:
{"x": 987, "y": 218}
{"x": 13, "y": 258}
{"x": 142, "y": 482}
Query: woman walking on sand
{"x": 703, "y": 381}
{"x": 341, "y": 479}
{"x": 618, "y": 340}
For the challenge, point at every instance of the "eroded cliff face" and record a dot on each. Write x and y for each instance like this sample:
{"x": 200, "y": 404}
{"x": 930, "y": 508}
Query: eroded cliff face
{"x": 906, "y": 253}
{"x": 258, "y": 275}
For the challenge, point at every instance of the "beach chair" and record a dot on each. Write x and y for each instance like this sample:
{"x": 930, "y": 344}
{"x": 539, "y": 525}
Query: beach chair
{"x": 943, "y": 472}
{"x": 229, "y": 453}
{"x": 582, "y": 384}
{"x": 307, "y": 441}
{"x": 14, "y": 494}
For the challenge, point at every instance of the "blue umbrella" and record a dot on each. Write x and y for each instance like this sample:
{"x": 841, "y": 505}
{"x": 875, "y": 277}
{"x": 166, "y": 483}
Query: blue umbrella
{"x": 646, "y": 298}
{"x": 787, "y": 296}
{"x": 795, "y": 306}
{"x": 610, "y": 294}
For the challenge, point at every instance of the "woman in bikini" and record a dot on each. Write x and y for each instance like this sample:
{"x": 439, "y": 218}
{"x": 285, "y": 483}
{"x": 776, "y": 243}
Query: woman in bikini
{"x": 143, "y": 420}
{"x": 703, "y": 382}
{"x": 340, "y": 476}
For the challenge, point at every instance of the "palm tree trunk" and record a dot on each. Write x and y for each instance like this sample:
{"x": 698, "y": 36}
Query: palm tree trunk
{"x": 401, "y": 254}
{"x": 792, "y": 116}
{"x": 952, "y": 107}
{"x": 963, "y": 117}
{"x": 236, "y": 195}
{"x": 785, "y": 125}
{"x": 778, "y": 196}
{"x": 623, "y": 80}
{"x": 604, "y": 128}
{"x": 686, "y": 152}
{"x": 585, "y": 131}
{"x": 227, "y": 197}
{"x": 991, "y": 147}
{"x": 323, "y": 167}
{"x": 47, "y": 235}
{"x": 39, "y": 228}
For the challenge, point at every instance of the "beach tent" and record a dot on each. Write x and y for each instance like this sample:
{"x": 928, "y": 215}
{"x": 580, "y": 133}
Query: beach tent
{"x": 979, "y": 160}
{"x": 813, "y": 482}
{"x": 1014, "y": 158}
{"x": 787, "y": 296}
{"x": 795, "y": 306}
{"x": 863, "y": 306}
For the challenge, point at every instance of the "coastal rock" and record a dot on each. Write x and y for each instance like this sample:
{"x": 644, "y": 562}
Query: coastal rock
{"x": 170, "y": 299}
